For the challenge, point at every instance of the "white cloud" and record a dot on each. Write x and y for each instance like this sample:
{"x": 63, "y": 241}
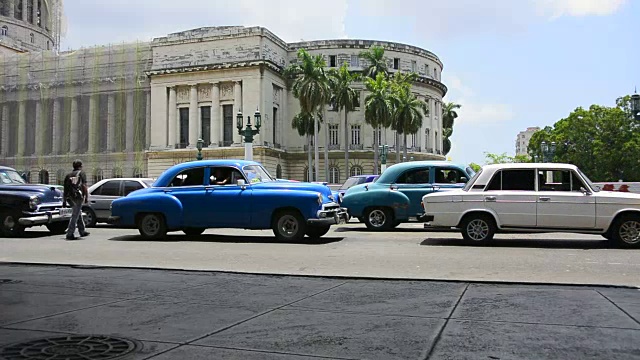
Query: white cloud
{"x": 101, "y": 21}
{"x": 557, "y": 8}
{"x": 478, "y": 113}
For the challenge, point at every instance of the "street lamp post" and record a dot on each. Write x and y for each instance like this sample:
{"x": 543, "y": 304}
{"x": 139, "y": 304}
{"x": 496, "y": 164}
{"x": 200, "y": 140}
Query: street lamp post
{"x": 384, "y": 150}
{"x": 548, "y": 151}
{"x": 635, "y": 105}
{"x": 248, "y": 132}
{"x": 199, "y": 145}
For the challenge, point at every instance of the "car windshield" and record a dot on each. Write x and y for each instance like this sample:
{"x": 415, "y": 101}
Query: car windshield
{"x": 11, "y": 177}
{"x": 149, "y": 183}
{"x": 256, "y": 174}
{"x": 589, "y": 183}
{"x": 472, "y": 180}
{"x": 352, "y": 181}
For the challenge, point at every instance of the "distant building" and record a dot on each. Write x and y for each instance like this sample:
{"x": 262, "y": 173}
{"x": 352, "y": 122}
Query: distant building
{"x": 522, "y": 142}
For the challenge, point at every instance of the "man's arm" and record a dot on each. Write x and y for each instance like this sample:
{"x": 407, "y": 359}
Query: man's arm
{"x": 85, "y": 190}
{"x": 65, "y": 194}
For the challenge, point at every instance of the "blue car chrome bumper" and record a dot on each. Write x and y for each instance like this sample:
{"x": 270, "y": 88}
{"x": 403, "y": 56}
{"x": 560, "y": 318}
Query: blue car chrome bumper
{"x": 330, "y": 215}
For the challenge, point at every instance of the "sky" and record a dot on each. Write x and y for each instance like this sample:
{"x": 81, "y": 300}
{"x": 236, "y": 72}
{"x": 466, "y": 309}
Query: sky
{"x": 511, "y": 64}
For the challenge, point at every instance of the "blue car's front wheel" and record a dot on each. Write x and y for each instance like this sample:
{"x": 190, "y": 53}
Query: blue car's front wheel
{"x": 288, "y": 226}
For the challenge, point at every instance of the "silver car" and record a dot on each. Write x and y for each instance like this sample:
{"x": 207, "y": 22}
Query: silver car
{"x": 102, "y": 193}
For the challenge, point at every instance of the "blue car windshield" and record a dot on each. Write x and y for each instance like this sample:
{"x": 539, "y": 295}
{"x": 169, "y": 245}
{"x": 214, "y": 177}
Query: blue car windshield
{"x": 257, "y": 174}
{"x": 11, "y": 177}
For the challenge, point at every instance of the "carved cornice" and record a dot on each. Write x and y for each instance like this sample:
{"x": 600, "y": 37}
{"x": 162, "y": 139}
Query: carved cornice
{"x": 234, "y": 65}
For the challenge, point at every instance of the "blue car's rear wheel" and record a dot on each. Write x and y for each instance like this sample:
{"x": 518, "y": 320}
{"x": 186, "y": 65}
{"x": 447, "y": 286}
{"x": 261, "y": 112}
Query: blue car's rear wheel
{"x": 152, "y": 226}
{"x": 288, "y": 226}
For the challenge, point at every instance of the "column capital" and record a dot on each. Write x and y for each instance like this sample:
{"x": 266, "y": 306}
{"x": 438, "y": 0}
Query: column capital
{"x": 237, "y": 82}
{"x": 172, "y": 87}
{"x": 193, "y": 85}
{"x": 215, "y": 83}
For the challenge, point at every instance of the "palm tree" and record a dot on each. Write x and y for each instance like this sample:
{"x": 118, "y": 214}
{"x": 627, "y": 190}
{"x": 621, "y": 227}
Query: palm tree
{"x": 345, "y": 98}
{"x": 376, "y": 62}
{"x": 311, "y": 88}
{"x": 449, "y": 116}
{"x": 377, "y": 109}
{"x": 408, "y": 110}
{"x": 304, "y": 123}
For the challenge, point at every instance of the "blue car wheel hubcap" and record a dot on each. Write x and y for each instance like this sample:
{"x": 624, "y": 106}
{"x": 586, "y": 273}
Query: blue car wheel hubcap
{"x": 288, "y": 225}
{"x": 150, "y": 225}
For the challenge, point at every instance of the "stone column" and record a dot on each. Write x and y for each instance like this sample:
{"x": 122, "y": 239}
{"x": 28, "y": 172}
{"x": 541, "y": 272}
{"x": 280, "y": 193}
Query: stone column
{"x": 22, "y": 128}
{"x": 434, "y": 127}
{"x": 130, "y": 127}
{"x": 237, "y": 107}
{"x": 40, "y": 132}
{"x": 25, "y": 17}
{"x": 147, "y": 122}
{"x": 173, "y": 118}
{"x": 4, "y": 127}
{"x": 57, "y": 128}
{"x": 194, "y": 128}
{"x": 93, "y": 125}
{"x": 12, "y": 10}
{"x": 111, "y": 123}
{"x": 35, "y": 12}
{"x": 216, "y": 124}
{"x": 74, "y": 131}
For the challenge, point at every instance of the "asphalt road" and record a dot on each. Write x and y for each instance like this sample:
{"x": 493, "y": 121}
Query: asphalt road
{"x": 348, "y": 250}
{"x": 58, "y": 312}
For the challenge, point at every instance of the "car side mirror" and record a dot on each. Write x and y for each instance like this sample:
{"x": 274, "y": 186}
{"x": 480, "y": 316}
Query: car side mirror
{"x": 242, "y": 184}
{"x": 585, "y": 191}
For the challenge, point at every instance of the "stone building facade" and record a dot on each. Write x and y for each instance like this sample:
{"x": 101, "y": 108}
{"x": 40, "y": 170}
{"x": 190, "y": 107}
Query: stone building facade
{"x": 136, "y": 109}
{"x": 29, "y": 25}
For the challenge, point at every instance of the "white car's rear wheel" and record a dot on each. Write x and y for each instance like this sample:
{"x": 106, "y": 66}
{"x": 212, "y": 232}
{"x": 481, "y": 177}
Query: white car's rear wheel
{"x": 478, "y": 228}
{"x": 626, "y": 231}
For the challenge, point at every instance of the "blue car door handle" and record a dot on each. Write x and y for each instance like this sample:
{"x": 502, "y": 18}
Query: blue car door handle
{"x": 208, "y": 188}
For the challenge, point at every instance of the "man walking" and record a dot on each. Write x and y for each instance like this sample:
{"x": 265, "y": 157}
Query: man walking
{"x": 75, "y": 194}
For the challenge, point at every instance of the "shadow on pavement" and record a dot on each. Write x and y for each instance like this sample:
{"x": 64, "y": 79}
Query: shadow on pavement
{"x": 526, "y": 243}
{"x": 364, "y": 229}
{"x": 228, "y": 239}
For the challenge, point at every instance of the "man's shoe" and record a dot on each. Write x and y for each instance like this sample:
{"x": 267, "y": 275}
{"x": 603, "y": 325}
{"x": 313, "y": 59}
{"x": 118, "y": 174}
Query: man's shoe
{"x": 85, "y": 234}
{"x": 72, "y": 237}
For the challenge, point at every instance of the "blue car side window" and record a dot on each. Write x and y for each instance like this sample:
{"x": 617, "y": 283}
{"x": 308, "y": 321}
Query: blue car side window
{"x": 190, "y": 177}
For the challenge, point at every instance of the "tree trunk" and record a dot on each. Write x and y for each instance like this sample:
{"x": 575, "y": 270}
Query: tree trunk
{"x": 346, "y": 145}
{"x": 326, "y": 151}
{"x": 376, "y": 145}
{"x": 397, "y": 148}
{"x": 310, "y": 170}
{"x": 316, "y": 149}
{"x": 404, "y": 151}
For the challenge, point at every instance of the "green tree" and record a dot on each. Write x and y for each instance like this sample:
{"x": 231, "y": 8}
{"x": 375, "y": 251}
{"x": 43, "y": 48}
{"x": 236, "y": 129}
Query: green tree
{"x": 407, "y": 109}
{"x": 311, "y": 88}
{"x": 377, "y": 109}
{"x": 345, "y": 99}
{"x": 604, "y": 142}
{"x": 475, "y": 167}
{"x": 304, "y": 124}
{"x": 449, "y": 116}
{"x": 376, "y": 62}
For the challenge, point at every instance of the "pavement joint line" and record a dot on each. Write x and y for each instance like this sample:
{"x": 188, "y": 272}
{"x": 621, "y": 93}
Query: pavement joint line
{"x": 263, "y": 352}
{"x": 57, "y": 293}
{"x": 545, "y": 324}
{"x": 344, "y": 277}
{"x": 300, "y": 308}
{"x": 619, "y": 308}
{"x": 446, "y": 321}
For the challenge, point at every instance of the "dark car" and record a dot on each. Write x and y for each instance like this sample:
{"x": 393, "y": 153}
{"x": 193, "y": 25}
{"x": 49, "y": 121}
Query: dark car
{"x": 24, "y": 205}
{"x": 353, "y": 181}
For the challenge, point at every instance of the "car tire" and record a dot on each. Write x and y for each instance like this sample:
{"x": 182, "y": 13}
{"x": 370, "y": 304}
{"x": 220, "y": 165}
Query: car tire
{"x": 58, "y": 228}
{"x": 378, "y": 218}
{"x": 316, "y": 232}
{"x": 193, "y": 231}
{"x": 9, "y": 225}
{"x": 289, "y": 226}
{"x": 90, "y": 219}
{"x": 625, "y": 231}
{"x": 478, "y": 229}
{"x": 152, "y": 226}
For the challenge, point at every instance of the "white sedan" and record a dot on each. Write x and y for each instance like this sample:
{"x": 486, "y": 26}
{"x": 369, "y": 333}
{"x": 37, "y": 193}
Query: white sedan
{"x": 530, "y": 198}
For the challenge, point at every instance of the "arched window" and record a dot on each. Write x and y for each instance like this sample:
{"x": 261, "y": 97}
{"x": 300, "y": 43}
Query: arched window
{"x": 60, "y": 175}
{"x": 4, "y": 31}
{"x": 426, "y": 140}
{"x": 334, "y": 175}
{"x": 32, "y": 37}
{"x": 356, "y": 170}
{"x": 306, "y": 174}
{"x": 98, "y": 175}
{"x": 278, "y": 172}
{"x": 117, "y": 172}
{"x": 137, "y": 173}
{"x": 43, "y": 177}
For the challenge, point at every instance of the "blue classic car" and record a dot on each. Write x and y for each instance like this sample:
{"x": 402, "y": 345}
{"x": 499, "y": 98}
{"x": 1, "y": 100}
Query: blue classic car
{"x": 395, "y": 197}
{"x": 198, "y": 195}
{"x": 24, "y": 205}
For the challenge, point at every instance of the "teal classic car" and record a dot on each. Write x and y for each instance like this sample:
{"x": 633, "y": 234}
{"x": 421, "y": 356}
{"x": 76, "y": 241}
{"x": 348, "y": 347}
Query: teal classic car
{"x": 199, "y": 195}
{"x": 396, "y": 196}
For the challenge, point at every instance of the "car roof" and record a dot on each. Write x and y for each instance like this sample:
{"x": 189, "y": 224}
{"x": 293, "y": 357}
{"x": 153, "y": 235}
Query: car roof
{"x": 219, "y": 162}
{"x": 6, "y": 168}
{"x": 494, "y": 167}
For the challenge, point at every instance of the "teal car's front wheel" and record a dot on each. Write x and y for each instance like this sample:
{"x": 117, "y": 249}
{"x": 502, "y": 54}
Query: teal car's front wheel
{"x": 378, "y": 218}
{"x": 288, "y": 226}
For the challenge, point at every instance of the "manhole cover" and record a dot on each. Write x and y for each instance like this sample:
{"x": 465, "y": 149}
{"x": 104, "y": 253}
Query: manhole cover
{"x": 8, "y": 281}
{"x": 70, "y": 348}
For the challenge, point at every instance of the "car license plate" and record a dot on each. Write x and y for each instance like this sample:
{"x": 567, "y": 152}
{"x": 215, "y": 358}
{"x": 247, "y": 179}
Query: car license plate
{"x": 66, "y": 212}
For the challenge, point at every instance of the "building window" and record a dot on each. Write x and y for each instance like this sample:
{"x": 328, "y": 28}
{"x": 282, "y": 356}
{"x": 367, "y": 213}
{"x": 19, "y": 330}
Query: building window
{"x": 435, "y": 73}
{"x": 414, "y": 140}
{"x": 137, "y": 173}
{"x": 357, "y": 100}
{"x": 306, "y": 174}
{"x": 39, "y": 13}
{"x": 43, "y": 177}
{"x": 184, "y": 128}
{"x": 60, "y": 175}
{"x": 356, "y": 170}
{"x": 414, "y": 66}
{"x": 355, "y": 61}
{"x": 333, "y": 106}
{"x": 396, "y": 63}
{"x": 379, "y": 133}
{"x": 426, "y": 69}
{"x": 4, "y": 31}
{"x": 32, "y": 37}
{"x": 98, "y": 175}
{"x": 228, "y": 126}
{"x": 275, "y": 125}
{"x": 426, "y": 139}
{"x": 332, "y": 60}
{"x": 116, "y": 173}
{"x": 278, "y": 172}
{"x": 205, "y": 117}
{"x": 334, "y": 175}
{"x": 355, "y": 134}
{"x": 334, "y": 134}
{"x": 17, "y": 10}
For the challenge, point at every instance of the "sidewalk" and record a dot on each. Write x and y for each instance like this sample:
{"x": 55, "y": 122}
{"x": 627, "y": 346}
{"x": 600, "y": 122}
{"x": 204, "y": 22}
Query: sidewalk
{"x": 155, "y": 314}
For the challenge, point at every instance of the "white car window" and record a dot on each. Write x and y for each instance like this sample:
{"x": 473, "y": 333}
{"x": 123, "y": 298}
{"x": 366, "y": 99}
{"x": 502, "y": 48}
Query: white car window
{"x": 559, "y": 180}
{"x": 513, "y": 179}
